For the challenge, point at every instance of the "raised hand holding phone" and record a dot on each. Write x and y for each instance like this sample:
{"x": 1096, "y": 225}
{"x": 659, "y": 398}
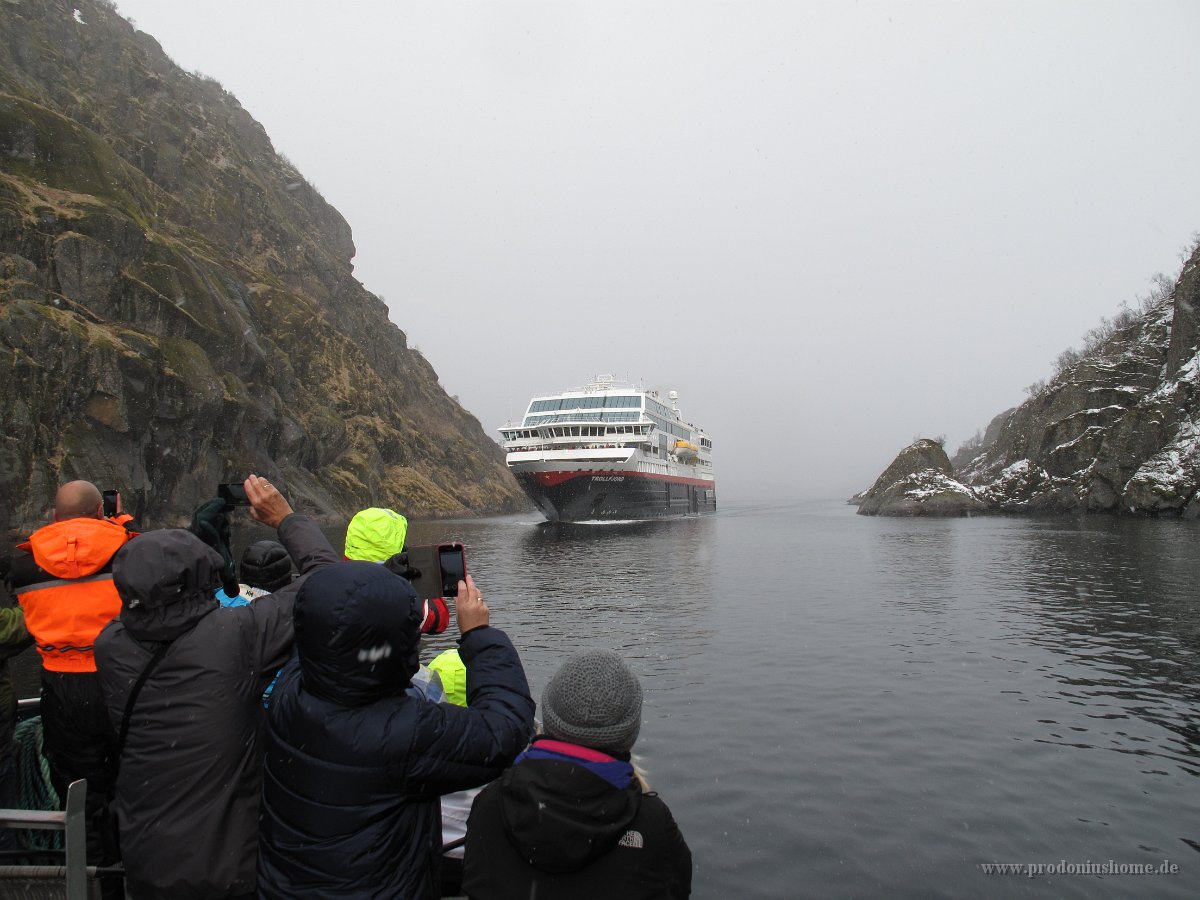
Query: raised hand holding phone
{"x": 469, "y": 608}
{"x": 267, "y": 505}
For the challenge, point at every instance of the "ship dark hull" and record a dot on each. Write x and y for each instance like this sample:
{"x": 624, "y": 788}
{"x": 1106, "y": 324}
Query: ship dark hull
{"x": 585, "y": 496}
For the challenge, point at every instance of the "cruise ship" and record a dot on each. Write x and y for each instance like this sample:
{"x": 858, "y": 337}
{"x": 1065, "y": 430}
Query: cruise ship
{"x": 610, "y": 451}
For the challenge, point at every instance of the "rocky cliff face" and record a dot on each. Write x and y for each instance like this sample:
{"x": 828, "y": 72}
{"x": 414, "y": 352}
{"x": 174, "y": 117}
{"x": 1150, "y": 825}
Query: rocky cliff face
{"x": 1117, "y": 430}
{"x": 177, "y": 304}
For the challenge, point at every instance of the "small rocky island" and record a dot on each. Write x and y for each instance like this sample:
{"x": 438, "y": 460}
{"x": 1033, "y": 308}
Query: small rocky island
{"x": 1117, "y": 429}
{"x": 919, "y": 482}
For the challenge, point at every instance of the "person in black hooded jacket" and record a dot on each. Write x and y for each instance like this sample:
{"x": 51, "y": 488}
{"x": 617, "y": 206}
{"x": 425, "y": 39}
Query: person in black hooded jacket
{"x": 188, "y": 787}
{"x": 572, "y": 819}
{"x": 355, "y": 766}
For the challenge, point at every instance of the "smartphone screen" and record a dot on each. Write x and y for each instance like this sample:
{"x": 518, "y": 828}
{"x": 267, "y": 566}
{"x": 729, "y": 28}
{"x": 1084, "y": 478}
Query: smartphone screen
{"x": 453, "y": 563}
{"x": 110, "y": 502}
{"x": 234, "y": 494}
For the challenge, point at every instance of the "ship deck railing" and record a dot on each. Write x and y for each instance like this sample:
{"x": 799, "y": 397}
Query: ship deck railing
{"x": 75, "y": 880}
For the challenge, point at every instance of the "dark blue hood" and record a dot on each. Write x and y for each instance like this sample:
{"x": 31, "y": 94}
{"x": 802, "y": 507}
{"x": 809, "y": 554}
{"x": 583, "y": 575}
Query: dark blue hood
{"x": 357, "y": 633}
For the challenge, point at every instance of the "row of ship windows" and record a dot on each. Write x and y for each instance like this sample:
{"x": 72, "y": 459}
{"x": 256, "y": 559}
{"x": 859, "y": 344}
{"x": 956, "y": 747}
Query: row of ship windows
{"x": 582, "y": 417}
{"x": 577, "y": 431}
{"x": 581, "y": 431}
{"x": 595, "y": 431}
{"x": 672, "y": 428}
{"x": 586, "y": 403}
{"x": 654, "y": 406}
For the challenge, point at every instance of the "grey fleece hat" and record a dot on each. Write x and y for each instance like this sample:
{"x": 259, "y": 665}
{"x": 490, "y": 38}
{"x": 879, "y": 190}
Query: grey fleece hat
{"x": 594, "y": 700}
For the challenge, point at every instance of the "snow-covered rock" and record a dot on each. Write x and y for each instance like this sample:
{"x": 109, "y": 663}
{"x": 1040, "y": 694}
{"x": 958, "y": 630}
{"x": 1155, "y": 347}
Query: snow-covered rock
{"x": 919, "y": 482}
{"x": 1118, "y": 430}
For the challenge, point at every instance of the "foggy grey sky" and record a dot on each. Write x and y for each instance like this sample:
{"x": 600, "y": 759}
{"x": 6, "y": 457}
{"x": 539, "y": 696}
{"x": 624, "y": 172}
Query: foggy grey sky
{"x": 831, "y": 227}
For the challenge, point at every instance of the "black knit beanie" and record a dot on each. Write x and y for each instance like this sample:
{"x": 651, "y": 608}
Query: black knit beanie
{"x": 266, "y": 565}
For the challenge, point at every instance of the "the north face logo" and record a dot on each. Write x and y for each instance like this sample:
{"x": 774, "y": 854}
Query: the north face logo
{"x": 631, "y": 839}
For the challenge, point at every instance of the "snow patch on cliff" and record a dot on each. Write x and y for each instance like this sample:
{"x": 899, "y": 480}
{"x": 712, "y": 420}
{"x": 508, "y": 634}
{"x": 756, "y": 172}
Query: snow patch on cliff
{"x": 931, "y": 483}
{"x": 1171, "y": 473}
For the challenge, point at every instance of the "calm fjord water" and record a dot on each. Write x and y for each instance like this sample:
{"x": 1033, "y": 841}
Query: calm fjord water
{"x": 847, "y": 707}
{"x": 839, "y": 706}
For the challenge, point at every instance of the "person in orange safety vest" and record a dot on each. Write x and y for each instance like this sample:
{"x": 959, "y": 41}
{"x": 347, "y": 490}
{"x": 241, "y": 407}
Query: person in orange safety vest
{"x": 64, "y": 585}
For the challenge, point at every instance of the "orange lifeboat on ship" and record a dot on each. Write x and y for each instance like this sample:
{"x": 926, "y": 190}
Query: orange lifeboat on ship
{"x": 686, "y": 450}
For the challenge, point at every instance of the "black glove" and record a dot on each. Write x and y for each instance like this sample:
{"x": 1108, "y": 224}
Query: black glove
{"x": 398, "y": 564}
{"x": 210, "y": 523}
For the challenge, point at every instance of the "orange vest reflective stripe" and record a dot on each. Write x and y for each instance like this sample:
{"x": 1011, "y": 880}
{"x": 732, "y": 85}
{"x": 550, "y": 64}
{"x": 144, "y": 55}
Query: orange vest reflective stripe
{"x": 64, "y": 618}
{"x": 66, "y": 612}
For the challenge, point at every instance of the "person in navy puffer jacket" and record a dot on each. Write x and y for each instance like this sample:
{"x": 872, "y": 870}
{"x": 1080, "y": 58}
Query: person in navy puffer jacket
{"x": 355, "y": 766}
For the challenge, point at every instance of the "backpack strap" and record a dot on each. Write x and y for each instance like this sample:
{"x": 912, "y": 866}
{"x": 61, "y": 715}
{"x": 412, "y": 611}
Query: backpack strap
{"x": 155, "y": 659}
{"x": 133, "y": 695}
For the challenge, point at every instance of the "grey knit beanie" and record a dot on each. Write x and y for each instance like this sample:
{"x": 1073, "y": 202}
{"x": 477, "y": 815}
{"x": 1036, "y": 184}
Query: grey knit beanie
{"x": 594, "y": 700}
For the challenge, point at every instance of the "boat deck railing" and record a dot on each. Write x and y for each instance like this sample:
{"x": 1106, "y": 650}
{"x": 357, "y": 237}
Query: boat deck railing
{"x": 75, "y": 880}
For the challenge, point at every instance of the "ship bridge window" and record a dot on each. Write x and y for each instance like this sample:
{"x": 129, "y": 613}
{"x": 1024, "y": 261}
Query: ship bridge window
{"x": 671, "y": 428}
{"x": 656, "y": 407}
{"x": 606, "y": 416}
{"x": 557, "y": 404}
{"x": 623, "y": 402}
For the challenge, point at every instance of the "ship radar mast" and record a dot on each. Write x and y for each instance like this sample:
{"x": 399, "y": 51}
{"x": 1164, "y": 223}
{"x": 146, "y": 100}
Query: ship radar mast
{"x": 600, "y": 383}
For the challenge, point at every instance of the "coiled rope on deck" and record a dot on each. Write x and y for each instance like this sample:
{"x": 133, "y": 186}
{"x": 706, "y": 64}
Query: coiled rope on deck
{"x": 34, "y": 790}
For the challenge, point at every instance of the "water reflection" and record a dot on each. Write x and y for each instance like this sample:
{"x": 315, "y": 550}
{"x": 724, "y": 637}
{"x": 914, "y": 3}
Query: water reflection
{"x": 1112, "y": 599}
{"x": 641, "y": 588}
{"x": 921, "y": 559}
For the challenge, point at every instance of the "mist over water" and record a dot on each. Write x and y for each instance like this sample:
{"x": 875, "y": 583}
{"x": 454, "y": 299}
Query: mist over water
{"x": 859, "y": 222}
{"x": 847, "y": 707}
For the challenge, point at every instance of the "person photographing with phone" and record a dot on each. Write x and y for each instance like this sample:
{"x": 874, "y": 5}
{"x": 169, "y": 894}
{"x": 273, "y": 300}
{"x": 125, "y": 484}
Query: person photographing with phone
{"x": 183, "y": 680}
{"x": 115, "y": 512}
{"x": 355, "y": 765}
{"x": 63, "y": 582}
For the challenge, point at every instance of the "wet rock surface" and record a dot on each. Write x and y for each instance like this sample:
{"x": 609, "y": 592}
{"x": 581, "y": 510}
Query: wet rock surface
{"x": 178, "y": 306}
{"x": 919, "y": 482}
